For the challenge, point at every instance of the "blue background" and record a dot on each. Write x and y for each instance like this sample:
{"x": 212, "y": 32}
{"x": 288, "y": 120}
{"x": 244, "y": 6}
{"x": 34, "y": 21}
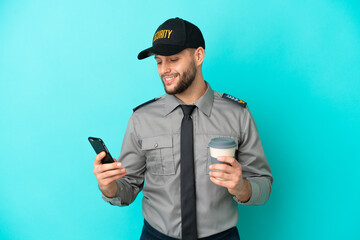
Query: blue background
{"x": 68, "y": 70}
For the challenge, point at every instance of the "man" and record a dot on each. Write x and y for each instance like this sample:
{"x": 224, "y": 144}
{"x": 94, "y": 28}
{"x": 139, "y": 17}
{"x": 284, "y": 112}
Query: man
{"x": 165, "y": 149}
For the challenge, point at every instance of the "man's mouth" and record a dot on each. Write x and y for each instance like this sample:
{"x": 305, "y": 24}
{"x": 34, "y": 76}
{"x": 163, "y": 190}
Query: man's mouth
{"x": 169, "y": 79}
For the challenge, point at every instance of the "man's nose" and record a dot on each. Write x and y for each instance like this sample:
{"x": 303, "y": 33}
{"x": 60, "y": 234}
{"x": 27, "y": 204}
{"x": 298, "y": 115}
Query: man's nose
{"x": 165, "y": 68}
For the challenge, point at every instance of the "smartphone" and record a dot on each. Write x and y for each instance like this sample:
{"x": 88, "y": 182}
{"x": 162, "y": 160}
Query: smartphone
{"x": 99, "y": 146}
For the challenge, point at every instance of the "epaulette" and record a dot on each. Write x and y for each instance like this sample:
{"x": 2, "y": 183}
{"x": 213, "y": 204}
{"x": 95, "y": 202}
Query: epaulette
{"x": 145, "y": 103}
{"x": 234, "y": 99}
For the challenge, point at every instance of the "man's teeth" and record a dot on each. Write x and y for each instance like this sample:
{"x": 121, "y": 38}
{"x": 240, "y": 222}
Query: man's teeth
{"x": 169, "y": 78}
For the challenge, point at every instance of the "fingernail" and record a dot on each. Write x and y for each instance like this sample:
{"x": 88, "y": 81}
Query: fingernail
{"x": 220, "y": 158}
{"x": 119, "y": 164}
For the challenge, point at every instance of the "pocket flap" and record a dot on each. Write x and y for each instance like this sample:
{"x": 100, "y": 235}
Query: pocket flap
{"x": 156, "y": 142}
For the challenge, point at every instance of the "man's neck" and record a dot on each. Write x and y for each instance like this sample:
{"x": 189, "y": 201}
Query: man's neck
{"x": 196, "y": 90}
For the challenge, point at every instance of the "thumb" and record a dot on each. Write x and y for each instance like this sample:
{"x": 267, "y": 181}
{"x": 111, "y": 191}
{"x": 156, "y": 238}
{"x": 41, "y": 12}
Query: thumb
{"x": 99, "y": 157}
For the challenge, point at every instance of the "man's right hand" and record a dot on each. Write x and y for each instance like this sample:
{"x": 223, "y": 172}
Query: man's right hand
{"x": 106, "y": 174}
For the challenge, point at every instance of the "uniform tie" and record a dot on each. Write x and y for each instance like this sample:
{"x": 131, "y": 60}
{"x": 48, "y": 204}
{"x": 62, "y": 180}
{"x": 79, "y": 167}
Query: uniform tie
{"x": 188, "y": 203}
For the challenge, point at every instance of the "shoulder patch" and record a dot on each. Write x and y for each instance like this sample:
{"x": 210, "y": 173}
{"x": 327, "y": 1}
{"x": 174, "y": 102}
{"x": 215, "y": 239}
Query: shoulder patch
{"x": 234, "y": 99}
{"x": 145, "y": 103}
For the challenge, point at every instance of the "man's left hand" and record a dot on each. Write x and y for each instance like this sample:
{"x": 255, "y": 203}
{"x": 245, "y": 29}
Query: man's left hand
{"x": 231, "y": 178}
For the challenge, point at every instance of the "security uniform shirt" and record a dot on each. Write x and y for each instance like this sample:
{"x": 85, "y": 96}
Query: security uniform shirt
{"x": 151, "y": 152}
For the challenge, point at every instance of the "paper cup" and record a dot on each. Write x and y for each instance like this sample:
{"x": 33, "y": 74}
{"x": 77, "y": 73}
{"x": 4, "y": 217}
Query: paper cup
{"x": 221, "y": 147}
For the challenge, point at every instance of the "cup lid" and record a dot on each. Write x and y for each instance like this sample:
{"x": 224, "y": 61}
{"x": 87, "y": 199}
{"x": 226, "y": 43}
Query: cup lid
{"x": 222, "y": 143}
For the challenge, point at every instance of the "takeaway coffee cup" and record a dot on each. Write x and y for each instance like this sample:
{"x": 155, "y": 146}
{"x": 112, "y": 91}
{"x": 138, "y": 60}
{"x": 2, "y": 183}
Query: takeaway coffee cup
{"x": 221, "y": 147}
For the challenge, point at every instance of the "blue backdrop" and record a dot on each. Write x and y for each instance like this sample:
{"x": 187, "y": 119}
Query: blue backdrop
{"x": 68, "y": 70}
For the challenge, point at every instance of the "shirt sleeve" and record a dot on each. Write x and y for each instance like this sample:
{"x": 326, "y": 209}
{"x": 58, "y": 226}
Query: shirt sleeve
{"x": 133, "y": 160}
{"x": 255, "y": 167}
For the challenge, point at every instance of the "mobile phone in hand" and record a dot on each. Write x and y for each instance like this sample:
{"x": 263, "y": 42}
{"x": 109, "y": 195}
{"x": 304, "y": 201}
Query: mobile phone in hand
{"x": 99, "y": 146}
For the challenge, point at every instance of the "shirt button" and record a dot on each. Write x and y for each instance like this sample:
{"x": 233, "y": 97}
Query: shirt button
{"x": 155, "y": 145}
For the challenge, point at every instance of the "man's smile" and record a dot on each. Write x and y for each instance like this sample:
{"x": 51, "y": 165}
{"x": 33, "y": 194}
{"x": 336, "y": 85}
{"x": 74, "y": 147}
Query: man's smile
{"x": 169, "y": 79}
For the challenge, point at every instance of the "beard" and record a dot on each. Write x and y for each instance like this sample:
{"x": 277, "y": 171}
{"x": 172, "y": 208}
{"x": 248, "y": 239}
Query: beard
{"x": 186, "y": 79}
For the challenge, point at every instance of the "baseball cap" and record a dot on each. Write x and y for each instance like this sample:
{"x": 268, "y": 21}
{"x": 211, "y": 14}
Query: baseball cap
{"x": 173, "y": 36}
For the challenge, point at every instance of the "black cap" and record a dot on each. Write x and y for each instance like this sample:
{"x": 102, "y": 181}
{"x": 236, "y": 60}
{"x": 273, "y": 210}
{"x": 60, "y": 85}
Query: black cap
{"x": 173, "y": 36}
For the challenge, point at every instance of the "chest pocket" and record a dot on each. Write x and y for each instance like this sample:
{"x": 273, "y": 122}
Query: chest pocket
{"x": 159, "y": 155}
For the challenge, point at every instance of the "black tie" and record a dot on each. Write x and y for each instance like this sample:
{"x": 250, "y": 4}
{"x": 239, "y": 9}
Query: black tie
{"x": 188, "y": 204}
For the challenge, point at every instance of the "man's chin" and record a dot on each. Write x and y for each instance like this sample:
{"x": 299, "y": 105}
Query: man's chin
{"x": 170, "y": 91}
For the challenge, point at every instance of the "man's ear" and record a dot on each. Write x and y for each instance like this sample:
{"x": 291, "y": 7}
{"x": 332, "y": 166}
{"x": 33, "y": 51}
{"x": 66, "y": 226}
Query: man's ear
{"x": 199, "y": 56}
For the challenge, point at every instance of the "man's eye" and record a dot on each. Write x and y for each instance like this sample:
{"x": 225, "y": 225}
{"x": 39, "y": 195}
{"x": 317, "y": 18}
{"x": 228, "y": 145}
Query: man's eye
{"x": 158, "y": 63}
{"x": 174, "y": 60}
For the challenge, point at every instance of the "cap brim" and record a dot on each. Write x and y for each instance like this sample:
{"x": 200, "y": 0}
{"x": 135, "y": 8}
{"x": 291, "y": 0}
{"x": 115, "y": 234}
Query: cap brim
{"x": 161, "y": 49}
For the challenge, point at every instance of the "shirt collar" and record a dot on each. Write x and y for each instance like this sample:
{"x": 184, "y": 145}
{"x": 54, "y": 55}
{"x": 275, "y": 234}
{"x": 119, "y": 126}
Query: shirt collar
{"x": 204, "y": 103}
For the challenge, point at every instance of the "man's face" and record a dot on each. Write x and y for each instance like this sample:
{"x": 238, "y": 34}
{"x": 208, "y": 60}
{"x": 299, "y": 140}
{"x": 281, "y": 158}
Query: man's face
{"x": 177, "y": 72}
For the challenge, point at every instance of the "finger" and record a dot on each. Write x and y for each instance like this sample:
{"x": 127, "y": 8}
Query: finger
{"x": 111, "y": 166}
{"x": 99, "y": 157}
{"x": 109, "y": 180}
{"x": 232, "y": 161}
{"x": 223, "y": 183}
{"x": 220, "y": 175}
{"x": 110, "y": 173}
{"x": 116, "y": 176}
{"x": 218, "y": 182}
{"x": 106, "y": 167}
{"x": 99, "y": 170}
{"x": 221, "y": 167}
{"x": 233, "y": 178}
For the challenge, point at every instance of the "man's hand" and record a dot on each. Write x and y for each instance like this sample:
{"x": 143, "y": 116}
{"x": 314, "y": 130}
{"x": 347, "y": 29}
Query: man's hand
{"x": 106, "y": 174}
{"x": 231, "y": 178}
